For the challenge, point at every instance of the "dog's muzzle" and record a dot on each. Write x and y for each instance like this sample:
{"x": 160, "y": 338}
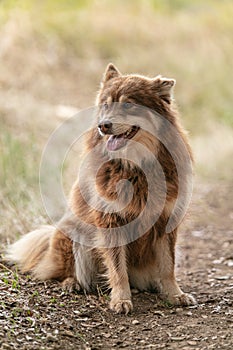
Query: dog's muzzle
{"x": 105, "y": 127}
{"x": 115, "y": 140}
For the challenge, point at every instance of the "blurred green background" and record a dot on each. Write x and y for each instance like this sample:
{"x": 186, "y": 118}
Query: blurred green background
{"x": 53, "y": 54}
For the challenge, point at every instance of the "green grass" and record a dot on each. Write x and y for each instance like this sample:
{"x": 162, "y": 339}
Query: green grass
{"x": 19, "y": 195}
{"x": 18, "y": 167}
{"x": 11, "y": 279}
{"x": 19, "y": 163}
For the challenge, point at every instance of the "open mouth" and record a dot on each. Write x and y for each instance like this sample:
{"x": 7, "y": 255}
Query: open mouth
{"x": 116, "y": 142}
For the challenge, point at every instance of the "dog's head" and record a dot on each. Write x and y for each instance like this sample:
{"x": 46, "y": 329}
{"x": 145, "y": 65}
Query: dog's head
{"x": 128, "y": 105}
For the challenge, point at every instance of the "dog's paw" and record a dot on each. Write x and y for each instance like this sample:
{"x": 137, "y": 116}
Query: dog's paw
{"x": 70, "y": 284}
{"x": 121, "y": 306}
{"x": 182, "y": 300}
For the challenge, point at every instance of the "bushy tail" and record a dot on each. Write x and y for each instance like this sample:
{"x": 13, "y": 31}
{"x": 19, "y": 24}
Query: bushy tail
{"x": 46, "y": 253}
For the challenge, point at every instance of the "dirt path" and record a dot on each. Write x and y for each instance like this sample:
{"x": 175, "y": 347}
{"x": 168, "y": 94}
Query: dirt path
{"x": 42, "y": 316}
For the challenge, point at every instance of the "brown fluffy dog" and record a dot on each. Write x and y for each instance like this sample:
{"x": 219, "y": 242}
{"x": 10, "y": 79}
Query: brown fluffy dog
{"x": 124, "y": 249}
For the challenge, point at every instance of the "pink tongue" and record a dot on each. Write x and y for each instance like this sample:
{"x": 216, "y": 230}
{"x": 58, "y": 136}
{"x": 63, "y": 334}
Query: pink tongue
{"x": 115, "y": 142}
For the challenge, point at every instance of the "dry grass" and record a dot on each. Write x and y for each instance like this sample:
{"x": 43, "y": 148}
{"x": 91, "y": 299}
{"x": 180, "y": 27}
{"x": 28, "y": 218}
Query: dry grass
{"x": 53, "y": 53}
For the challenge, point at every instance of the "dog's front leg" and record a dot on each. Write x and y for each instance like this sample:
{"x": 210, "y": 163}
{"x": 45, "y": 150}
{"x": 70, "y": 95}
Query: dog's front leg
{"x": 165, "y": 259}
{"x": 115, "y": 262}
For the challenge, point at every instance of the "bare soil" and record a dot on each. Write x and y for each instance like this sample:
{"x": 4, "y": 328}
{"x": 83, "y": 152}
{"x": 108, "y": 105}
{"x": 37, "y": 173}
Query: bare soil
{"x": 37, "y": 315}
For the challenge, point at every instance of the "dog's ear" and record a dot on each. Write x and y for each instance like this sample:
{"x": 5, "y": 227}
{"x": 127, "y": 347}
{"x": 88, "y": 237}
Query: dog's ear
{"x": 110, "y": 72}
{"x": 164, "y": 88}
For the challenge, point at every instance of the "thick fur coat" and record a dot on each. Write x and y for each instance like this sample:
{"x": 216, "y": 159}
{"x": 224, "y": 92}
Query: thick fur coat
{"x": 123, "y": 242}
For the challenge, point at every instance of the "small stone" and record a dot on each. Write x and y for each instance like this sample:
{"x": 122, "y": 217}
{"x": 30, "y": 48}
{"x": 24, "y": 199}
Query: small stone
{"x": 192, "y": 342}
{"x": 230, "y": 263}
{"x": 135, "y": 322}
{"x": 189, "y": 313}
{"x": 134, "y": 291}
{"x": 222, "y": 278}
{"x": 107, "y": 335}
{"x": 160, "y": 313}
{"x": 121, "y": 329}
{"x": 179, "y": 309}
{"x": 28, "y": 338}
{"x": 43, "y": 320}
{"x": 50, "y": 337}
{"x": 177, "y": 338}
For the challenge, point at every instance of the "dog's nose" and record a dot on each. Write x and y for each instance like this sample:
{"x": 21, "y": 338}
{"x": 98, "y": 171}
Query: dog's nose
{"x": 105, "y": 126}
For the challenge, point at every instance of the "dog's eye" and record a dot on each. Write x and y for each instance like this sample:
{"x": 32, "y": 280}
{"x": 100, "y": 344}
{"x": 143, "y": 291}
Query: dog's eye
{"x": 126, "y": 105}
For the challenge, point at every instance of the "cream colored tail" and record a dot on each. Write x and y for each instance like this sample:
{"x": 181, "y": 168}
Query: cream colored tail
{"x": 30, "y": 253}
